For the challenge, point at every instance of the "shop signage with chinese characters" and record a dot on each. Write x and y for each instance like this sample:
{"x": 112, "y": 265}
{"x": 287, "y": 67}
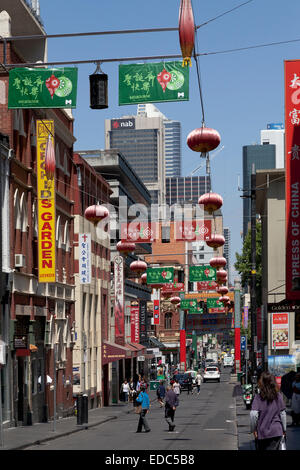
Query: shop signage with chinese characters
{"x": 46, "y": 206}
{"x": 214, "y": 303}
{"x": 85, "y": 265}
{"x": 292, "y": 183}
{"x": 160, "y": 275}
{"x": 119, "y": 300}
{"x": 135, "y": 322}
{"x": 207, "y": 285}
{"x": 186, "y": 304}
{"x": 173, "y": 287}
{"x": 202, "y": 273}
{"x": 42, "y": 88}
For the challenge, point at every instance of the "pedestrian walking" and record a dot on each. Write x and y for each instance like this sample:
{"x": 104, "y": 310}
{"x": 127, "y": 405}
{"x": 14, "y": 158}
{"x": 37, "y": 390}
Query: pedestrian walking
{"x": 198, "y": 381}
{"x": 296, "y": 400}
{"x": 177, "y": 387}
{"x": 268, "y": 415}
{"x": 190, "y": 384}
{"x": 171, "y": 403}
{"x": 161, "y": 392}
{"x": 125, "y": 389}
{"x": 144, "y": 402}
{"x": 131, "y": 389}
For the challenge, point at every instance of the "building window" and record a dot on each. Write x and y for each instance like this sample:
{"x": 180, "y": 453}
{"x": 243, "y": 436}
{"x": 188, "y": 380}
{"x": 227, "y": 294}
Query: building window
{"x": 168, "y": 321}
{"x": 165, "y": 234}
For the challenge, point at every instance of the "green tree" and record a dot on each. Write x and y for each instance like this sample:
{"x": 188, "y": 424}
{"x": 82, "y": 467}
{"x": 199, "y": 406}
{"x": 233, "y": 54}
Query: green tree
{"x": 243, "y": 262}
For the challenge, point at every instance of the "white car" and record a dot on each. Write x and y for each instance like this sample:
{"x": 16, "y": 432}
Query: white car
{"x": 211, "y": 373}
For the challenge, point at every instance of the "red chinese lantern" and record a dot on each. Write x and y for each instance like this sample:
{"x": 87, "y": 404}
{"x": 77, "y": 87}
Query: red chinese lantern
{"x": 221, "y": 274}
{"x": 125, "y": 247}
{"x": 175, "y": 300}
{"x": 211, "y": 202}
{"x": 50, "y": 163}
{"x": 186, "y": 31}
{"x": 222, "y": 299}
{"x": 138, "y": 266}
{"x": 218, "y": 262}
{"x": 226, "y": 299}
{"x": 215, "y": 241}
{"x": 223, "y": 290}
{"x": 96, "y": 213}
{"x": 144, "y": 278}
{"x": 203, "y": 140}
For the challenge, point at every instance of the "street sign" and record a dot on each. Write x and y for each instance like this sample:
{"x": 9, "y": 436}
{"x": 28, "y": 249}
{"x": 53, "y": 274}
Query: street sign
{"x": 186, "y": 304}
{"x": 202, "y": 273}
{"x": 160, "y": 275}
{"x": 243, "y": 343}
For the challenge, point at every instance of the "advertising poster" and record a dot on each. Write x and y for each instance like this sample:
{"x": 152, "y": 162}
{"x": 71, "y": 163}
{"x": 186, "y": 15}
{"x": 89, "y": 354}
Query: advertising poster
{"x": 156, "y": 311}
{"x": 193, "y": 230}
{"x": 42, "y": 88}
{"x": 85, "y": 265}
{"x": 139, "y": 232}
{"x": 46, "y": 206}
{"x": 280, "y": 330}
{"x": 153, "y": 83}
{"x": 280, "y": 365}
{"x": 160, "y": 275}
{"x": 202, "y": 273}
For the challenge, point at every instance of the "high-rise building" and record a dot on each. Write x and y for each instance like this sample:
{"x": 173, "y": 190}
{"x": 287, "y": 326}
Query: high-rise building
{"x": 141, "y": 140}
{"x": 226, "y": 250}
{"x": 172, "y": 138}
{"x": 186, "y": 189}
{"x": 274, "y": 134}
{"x": 262, "y": 157}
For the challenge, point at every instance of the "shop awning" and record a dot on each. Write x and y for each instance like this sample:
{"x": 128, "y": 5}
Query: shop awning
{"x": 112, "y": 352}
{"x": 139, "y": 347}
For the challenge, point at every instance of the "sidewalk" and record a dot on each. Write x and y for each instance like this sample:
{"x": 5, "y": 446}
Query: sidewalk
{"x": 18, "y": 438}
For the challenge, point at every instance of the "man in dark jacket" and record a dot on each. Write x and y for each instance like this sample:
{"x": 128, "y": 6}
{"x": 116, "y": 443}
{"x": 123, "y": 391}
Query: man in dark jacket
{"x": 171, "y": 402}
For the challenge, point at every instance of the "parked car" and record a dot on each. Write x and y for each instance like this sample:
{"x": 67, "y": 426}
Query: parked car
{"x": 211, "y": 373}
{"x": 228, "y": 361}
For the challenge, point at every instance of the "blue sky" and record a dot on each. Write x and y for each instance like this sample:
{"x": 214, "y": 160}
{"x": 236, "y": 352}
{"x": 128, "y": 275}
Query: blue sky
{"x": 242, "y": 91}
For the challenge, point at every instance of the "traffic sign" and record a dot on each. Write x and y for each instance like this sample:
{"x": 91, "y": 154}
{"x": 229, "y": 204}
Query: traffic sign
{"x": 243, "y": 343}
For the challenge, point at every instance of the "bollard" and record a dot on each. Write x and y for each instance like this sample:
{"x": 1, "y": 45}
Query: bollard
{"x": 85, "y": 405}
{"x": 79, "y": 400}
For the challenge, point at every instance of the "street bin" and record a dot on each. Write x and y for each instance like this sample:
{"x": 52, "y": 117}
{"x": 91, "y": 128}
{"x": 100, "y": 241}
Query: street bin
{"x": 154, "y": 384}
{"x": 85, "y": 406}
{"x": 79, "y": 406}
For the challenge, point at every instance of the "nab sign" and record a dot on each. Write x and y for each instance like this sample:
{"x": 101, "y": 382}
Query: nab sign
{"x": 119, "y": 124}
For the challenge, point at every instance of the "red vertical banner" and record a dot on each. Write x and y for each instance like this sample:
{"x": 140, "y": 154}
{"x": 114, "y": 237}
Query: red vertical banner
{"x": 182, "y": 349}
{"x": 237, "y": 349}
{"x": 135, "y": 322}
{"x": 119, "y": 300}
{"x": 156, "y": 311}
{"x": 292, "y": 183}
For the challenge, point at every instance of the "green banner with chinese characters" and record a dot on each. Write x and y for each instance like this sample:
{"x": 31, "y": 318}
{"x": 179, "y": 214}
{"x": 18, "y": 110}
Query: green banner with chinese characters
{"x": 198, "y": 310}
{"x": 153, "y": 83}
{"x": 186, "y": 304}
{"x": 202, "y": 273}
{"x": 214, "y": 303}
{"x": 160, "y": 275}
{"x": 42, "y": 88}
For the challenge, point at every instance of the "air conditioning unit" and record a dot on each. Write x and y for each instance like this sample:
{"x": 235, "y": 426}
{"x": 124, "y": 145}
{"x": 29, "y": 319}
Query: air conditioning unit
{"x": 20, "y": 261}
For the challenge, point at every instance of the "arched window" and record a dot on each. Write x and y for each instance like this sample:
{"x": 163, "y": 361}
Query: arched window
{"x": 17, "y": 210}
{"x": 168, "y": 321}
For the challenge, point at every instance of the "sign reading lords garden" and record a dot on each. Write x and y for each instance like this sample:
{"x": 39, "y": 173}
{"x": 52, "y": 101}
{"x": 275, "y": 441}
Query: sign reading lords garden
{"x": 42, "y": 88}
{"x": 202, "y": 273}
{"x": 152, "y": 83}
{"x": 160, "y": 275}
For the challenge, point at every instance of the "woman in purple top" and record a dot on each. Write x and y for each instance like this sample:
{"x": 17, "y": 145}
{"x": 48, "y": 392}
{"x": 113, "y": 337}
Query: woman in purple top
{"x": 268, "y": 416}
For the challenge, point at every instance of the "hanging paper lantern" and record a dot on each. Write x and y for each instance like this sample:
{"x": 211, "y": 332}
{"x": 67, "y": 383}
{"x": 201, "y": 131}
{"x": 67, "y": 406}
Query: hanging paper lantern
{"x": 218, "y": 262}
{"x": 211, "y": 202}
{"x": 221, "y": 274}
{"x": 223, "y": 290}
{"x": 96, "y": 213}
{"x": 226, "y": 299}
{"x": 125, "y": 247}
{"x": 138, "y": 266}
{"x": 215, "y": 241}
{"x": 175, "y": 300}
{"x": 50, "y": 163}
{"x": 222, "y": 299}
{"x": 144, "y": 278}
{"x": 203, "y": 140}
{"x": 186, "y": 31}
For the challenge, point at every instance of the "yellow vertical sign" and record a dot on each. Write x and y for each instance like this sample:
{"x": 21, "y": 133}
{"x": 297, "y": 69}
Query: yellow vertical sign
{"x": 46, "y": 205}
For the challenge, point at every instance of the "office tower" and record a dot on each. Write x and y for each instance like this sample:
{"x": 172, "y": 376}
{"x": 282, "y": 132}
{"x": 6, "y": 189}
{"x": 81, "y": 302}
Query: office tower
{"x": 141, "y": 140}
{"x": 226, "y": 251}
{"x": 263, "y": 157}
{"x": 172, "y": 138}
{"x": 186, "y": 189}
{"x": 274, "y": 134}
